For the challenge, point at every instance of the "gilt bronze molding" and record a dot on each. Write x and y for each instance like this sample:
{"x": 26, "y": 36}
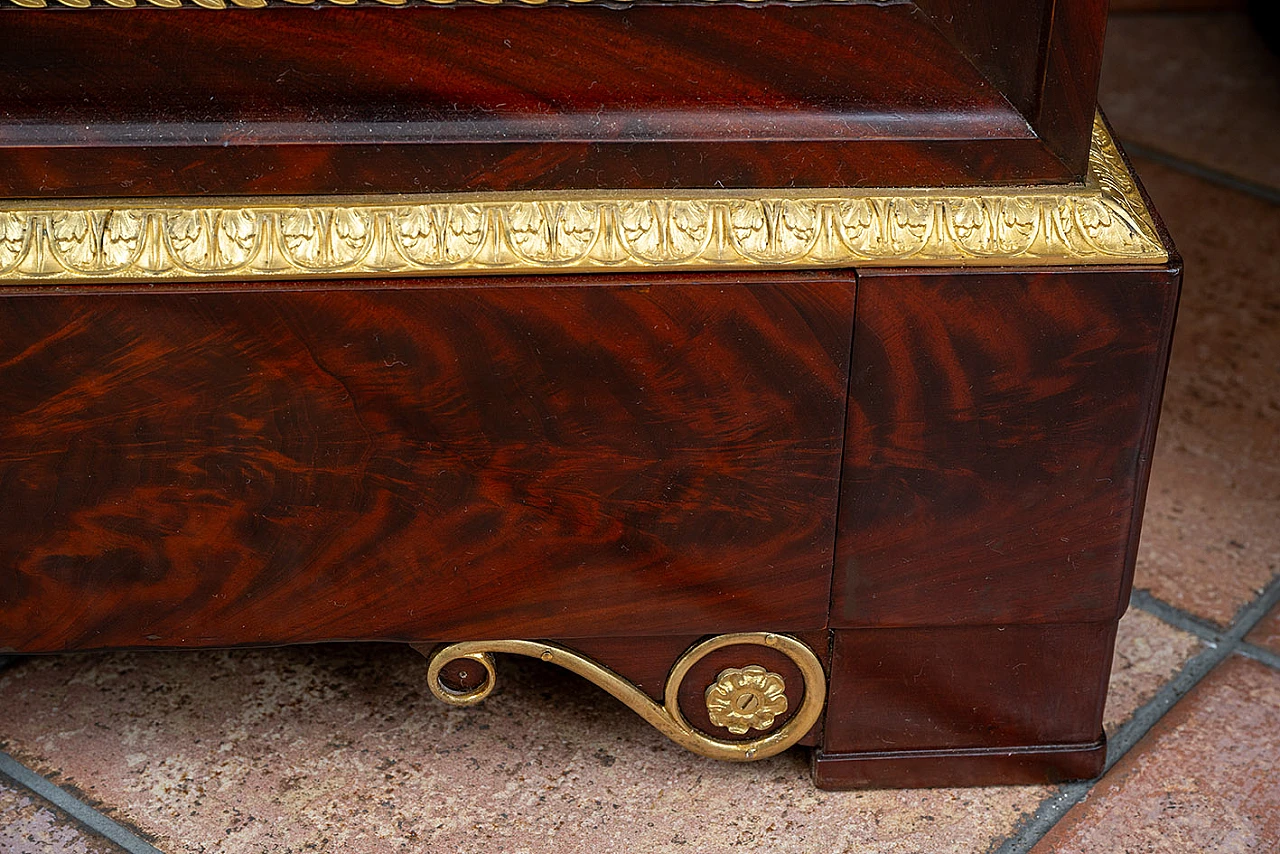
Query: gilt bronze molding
{"x": 1103, "y": 221}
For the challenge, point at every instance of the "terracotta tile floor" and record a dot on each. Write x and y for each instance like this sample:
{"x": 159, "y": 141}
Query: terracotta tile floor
{"x": 315, "y": 749}
{"x": 29, "y": 823}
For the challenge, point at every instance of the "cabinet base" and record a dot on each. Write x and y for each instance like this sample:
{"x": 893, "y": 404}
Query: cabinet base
{"x": 984, "y": 766}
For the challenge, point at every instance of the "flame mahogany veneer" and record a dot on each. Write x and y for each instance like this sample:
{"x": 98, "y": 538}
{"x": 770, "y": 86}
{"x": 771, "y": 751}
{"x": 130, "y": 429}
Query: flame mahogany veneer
{"x": 624, "y": 464}
{"x": 147, "y": 102}
{"x": 934, "y": 478}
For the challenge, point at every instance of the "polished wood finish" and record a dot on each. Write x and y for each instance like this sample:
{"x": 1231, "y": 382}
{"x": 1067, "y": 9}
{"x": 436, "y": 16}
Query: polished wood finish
{"x": 939, "y": 492}
{"x": 623, "y": 465}
{"x": 1040, "y": 765}
{"x": 998, "y": 444}
{"x": 282, "y": 100}
{"x": 1045, "y": 58}
{"x": 966, "y": 705}
{"x": 420, "y": 460}
{"x": 997, "y": 451}
{"x": 968, "y": 687}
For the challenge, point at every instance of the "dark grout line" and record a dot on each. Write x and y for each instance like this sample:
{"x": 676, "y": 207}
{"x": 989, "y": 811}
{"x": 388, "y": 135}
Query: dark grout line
{"x": 1206, "y": 173}
{"x": 1176, "y": 617}
{"x": 1050, "y": 811}
{"x": 1257, "y": 653}
{"x": 1053, "y": 808}
{"x": 78, "y": 810}
{"x": 1193, "y": 671}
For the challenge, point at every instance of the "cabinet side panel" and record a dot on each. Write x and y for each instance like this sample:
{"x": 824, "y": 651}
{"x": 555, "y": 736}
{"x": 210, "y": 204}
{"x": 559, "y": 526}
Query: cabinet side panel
{"x": 998, "y": 439}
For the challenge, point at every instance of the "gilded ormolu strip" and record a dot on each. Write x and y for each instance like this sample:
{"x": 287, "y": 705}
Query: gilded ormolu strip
{"x": 1102, "y": 221}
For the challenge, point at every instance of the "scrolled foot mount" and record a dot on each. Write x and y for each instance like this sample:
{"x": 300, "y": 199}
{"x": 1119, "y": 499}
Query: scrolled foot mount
{"x": 740, "y": 699}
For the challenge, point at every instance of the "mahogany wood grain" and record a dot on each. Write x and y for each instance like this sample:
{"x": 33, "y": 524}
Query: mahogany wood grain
{"x": 965, "y": 687}
{"x": 420, "y": 460}
{"x": 1037, "y": 765}
{"x": 1003, "y": 38}
{"x": 965, "y": 705}
{"x": 998, "y": 444}
{"x": 286, "y": 100}
{"x": 1045, "y": 58}
{"x": 47, "y": 171}
{"x": 1071, "y": 67}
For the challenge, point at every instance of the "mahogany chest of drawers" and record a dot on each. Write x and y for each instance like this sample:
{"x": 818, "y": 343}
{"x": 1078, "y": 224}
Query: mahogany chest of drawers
{"x": 791, "y": 370}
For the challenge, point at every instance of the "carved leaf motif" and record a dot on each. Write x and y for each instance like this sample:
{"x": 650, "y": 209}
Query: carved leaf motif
{"x": 1017, "y": 225}
{"x": 122, "y": 238}
{"x": 237, "y": 235}
{"x": 772, "y": 231}
{"x": 301, "y": 233}
{"x": 972, "y": 226}
{"x": 552, "y": 232}
{"x": 325, "y": 238}
{"x": 858, "y": 220}
{"x": 690, "y": 226}
{"x": 435, "y": 235}
{"x": 13, "y": 238}
{"x": 907, "y": 224}
{"x": 71, "y": 236}
{"x": 662, "y": 231}
{"x": 350, "y": 231}
{"x": 212, "y": 239}
{"x": 1093, "y": 216}
{"x": 96, "y": 241}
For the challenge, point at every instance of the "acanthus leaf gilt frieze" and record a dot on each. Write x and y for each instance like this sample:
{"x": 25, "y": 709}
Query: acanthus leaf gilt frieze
{"x": 1103, "y": 221}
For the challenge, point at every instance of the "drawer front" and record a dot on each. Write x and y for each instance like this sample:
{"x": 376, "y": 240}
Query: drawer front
{"x": 420, "y": 460}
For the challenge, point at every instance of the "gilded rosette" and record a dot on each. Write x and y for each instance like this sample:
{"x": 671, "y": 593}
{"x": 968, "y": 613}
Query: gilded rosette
{"x": 744, "y": 698}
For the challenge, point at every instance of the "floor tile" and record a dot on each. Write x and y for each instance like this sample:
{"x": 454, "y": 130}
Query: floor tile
{"x": 1149, "y": 653}
{"x": 1201, "y": 87}
{"x": 29, "y": 825}
{"x": 341, "y": 748}
{"x": 1267, "y": 633}
{"x": 1205, "y": 779}
{"x": 1210, "y": 541}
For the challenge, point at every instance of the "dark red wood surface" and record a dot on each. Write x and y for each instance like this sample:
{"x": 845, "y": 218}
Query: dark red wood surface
{"x": 1040, "y": 765}
{"x": 420, "y": 461}
{"x": 369, "y": 99}
{"x": 965, "y": 705}
{"x": 998, "y": 444}
{"x": 1045, "y": 58}
{"x": 967, "y": 687}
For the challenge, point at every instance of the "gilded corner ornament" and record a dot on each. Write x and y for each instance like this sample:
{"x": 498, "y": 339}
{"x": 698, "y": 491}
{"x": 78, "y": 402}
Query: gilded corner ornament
{"x": 744, "y": 698}
{"x": 1102, "y": 221}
